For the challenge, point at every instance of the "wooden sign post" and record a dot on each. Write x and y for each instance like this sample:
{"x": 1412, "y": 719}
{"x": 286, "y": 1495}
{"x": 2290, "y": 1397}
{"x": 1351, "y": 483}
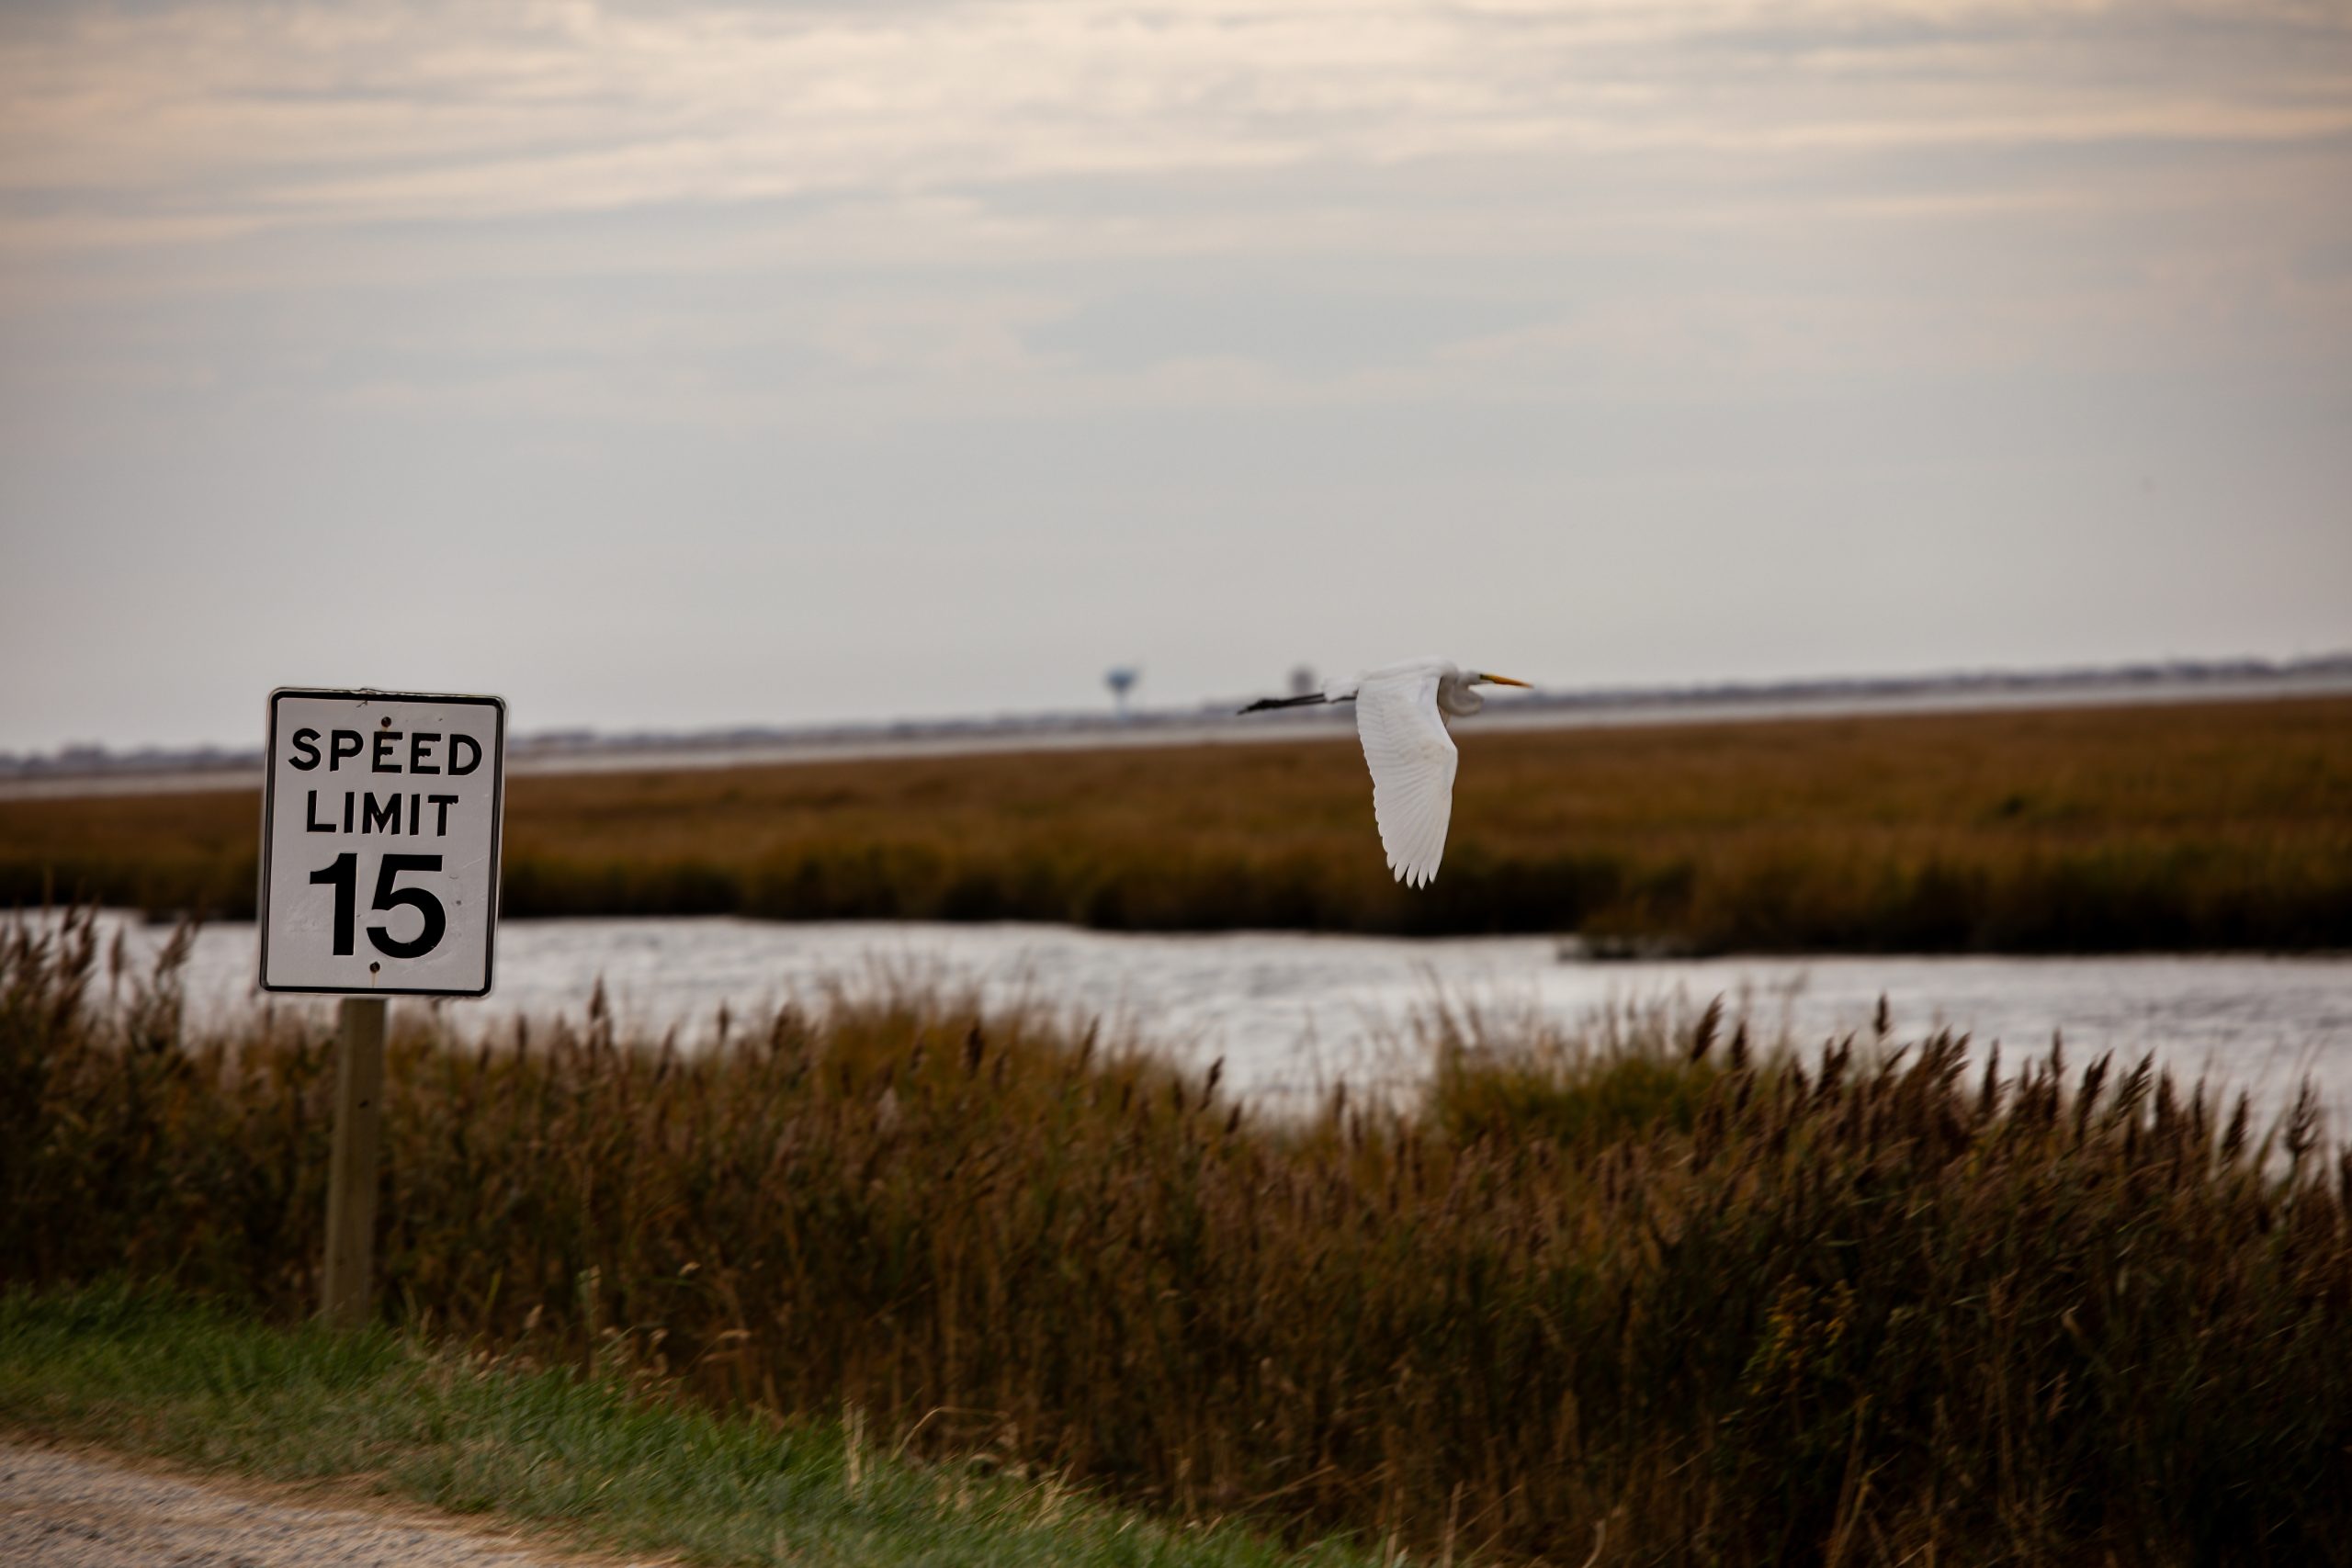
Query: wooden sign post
{"x": 346, "y": 1292}
{"x": 397, "y": 798}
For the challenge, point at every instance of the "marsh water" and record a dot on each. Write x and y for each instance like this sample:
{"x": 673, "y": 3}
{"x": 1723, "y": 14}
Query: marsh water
{"x": 1291, "y": 1013}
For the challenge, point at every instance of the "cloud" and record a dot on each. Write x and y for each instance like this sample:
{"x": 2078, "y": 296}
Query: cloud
{"x": 125, "y": 128}
{"x": 1042, "y": 192}
{"x": 960, "y": 292}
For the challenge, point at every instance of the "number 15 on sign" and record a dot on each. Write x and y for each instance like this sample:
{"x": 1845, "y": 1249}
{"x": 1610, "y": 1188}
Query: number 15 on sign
{"x": 380, "y": 843}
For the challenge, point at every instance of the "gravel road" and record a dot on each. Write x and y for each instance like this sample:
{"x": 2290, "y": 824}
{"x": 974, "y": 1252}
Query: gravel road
{"x": 62, "y": 1509}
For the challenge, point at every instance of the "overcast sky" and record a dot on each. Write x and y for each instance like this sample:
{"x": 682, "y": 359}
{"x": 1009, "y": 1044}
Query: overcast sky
{"x": 686, "y": 364}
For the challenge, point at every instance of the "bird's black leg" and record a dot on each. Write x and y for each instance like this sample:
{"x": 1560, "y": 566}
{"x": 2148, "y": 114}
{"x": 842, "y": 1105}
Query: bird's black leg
{"x": 1286, "y": 702}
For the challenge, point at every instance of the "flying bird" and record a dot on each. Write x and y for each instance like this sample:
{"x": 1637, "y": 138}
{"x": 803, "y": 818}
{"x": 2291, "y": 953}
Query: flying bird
{"x": 1401, "y": 711}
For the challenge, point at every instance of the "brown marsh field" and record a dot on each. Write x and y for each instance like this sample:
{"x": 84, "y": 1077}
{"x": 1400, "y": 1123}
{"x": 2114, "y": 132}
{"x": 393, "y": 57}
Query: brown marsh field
{"x": 1652, "y": 1299}
{"x": 2214, "y": 826}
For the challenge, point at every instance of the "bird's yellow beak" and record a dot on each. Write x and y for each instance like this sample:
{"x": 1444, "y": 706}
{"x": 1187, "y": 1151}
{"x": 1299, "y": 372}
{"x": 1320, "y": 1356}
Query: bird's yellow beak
{"x": 1504, "y": 681}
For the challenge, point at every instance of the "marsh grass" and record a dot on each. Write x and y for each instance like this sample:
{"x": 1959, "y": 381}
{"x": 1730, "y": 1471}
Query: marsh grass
{"x": 2227, "y": 825}
{"x": 1655, "y": 1299}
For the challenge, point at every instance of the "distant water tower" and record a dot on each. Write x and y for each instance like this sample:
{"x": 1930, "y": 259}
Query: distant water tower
{"x": 1122, "y": 681}
{"x": 1303, "y": 683}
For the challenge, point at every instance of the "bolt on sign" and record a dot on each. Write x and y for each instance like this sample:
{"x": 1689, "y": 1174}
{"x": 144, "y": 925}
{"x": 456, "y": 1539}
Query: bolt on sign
{"x": 380, "y": 843}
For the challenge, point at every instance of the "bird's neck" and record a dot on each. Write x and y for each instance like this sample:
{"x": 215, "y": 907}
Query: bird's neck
{"x": 1457, "y": 699}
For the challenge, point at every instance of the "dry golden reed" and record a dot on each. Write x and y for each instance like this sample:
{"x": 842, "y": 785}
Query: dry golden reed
{"x": 2222, "y": 826}
{"x": 1668, "y": 1299}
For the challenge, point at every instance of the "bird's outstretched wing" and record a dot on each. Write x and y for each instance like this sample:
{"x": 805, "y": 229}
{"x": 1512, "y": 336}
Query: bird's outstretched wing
{"x": 1412, "y": 761}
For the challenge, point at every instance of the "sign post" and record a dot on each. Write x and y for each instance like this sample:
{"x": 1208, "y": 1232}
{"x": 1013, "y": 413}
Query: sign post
{"x": 396, "y": 797}
{"x": 346, "y": 1291}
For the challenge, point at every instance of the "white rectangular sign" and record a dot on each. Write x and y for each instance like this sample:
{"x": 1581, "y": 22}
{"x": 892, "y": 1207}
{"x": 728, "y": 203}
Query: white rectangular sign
{"x": 380, "y": 843}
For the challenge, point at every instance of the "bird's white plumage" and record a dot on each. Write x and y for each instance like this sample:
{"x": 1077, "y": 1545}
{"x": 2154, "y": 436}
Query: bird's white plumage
{"x": 1401, "y": 711}
{"x": 1412, "y": 759}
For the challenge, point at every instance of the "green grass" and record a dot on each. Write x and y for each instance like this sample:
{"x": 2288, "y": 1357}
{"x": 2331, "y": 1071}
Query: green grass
{"x": 602, "y": 1459}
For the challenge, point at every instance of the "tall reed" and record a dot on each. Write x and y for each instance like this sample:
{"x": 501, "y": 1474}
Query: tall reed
{"x": 1672, "y": 1301}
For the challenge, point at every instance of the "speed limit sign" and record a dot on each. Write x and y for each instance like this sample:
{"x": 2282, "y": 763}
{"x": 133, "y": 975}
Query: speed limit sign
{"x": 380, "y": 843}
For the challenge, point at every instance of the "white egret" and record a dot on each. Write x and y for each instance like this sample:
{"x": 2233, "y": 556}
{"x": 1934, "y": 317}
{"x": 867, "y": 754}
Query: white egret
{"x": 1401, "y": 711}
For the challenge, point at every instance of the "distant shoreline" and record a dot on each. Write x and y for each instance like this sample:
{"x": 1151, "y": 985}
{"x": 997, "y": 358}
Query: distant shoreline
{"x": 75, "y": 777}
